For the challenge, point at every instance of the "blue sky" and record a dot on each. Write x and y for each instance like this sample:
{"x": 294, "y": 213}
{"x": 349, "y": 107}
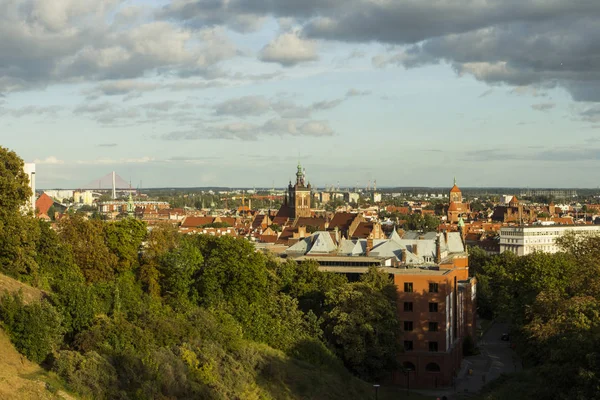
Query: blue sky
{"x": 234, "y": 93}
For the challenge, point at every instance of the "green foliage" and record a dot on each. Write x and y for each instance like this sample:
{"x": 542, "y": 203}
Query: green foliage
{"x": 18, "y": 230}
{"x": 305, "y": 282}
{"x": 18, "y": 236}
{"x": 553, "y": 304}
{"x": 217, "y": 225}
{"x": 14, "y": 183}
{"x": 178, "y": 269}
{"x": 362, "y": 327}
{"x": 232, "y": 272}
{"x": 35, "y": 329}
{"x": 418, "y": 222}
{"x": 124, "y": 239}
{"x": 89, "y": 374}
{"x": 85, "y": 240}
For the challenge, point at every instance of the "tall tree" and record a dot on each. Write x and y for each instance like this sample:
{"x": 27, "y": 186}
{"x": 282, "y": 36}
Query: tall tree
{"x": 18, "y": 230}
{"x": 85, "y": 238}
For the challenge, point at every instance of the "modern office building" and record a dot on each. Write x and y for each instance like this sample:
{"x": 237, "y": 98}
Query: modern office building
{"x": 523, "y": 240}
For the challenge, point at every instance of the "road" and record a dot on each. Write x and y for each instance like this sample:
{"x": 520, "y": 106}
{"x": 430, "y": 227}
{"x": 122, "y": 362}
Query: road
{"x": 495, "y": 358}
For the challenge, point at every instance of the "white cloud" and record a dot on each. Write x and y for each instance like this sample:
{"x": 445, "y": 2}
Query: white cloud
{"x": 289, "y": 49}
{"x": 51, "y": 160}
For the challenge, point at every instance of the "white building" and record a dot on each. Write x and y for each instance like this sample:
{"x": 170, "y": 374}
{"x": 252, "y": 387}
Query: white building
{"x": 29, "y": 169}
{"x": 377, "y": 197}
{"x": 83, "y": 197}
{"x": 523, "y": 240}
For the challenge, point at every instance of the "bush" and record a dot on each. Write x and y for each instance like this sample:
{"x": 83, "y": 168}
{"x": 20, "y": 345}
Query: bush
{"x": 36, "y": 330}
{"x": 89, "y": 374}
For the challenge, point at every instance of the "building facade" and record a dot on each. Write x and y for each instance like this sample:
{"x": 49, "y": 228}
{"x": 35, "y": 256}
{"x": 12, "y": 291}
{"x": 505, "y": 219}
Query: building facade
{"x": 437, "y": 311}
{"x": 29, "y": 169}
{"x": 523, "y": 240}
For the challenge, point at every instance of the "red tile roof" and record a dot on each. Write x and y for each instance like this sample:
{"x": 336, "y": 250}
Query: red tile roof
{"x": 342, "y": 220}
{"x": 43, "y": 204}
{"x": 196, "y": 222}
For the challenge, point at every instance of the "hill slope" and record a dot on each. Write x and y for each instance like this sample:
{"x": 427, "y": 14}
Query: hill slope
{"x": 19, "y": 377}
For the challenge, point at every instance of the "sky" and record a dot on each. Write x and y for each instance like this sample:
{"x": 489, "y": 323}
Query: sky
{"x": 190, "y": 93}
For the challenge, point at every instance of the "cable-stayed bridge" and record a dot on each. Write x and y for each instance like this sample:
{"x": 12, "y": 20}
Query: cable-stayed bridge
{"x": 106, "y": 183}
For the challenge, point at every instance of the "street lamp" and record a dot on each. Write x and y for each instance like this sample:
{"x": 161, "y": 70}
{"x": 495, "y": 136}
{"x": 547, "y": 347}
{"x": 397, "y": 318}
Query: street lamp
{"x": 376, "y": 391}
{"x": 407, "y": 372}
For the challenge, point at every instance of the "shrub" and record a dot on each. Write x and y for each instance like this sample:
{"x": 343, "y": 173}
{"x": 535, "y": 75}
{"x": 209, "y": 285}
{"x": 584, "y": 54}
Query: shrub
{"x": 36, "y": 330}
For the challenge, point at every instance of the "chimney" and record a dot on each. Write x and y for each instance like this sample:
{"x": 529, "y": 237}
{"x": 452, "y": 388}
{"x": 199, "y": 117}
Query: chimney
{"x": 415, "y": 249}
{"x": 301, "y": 232}
{"x": 438, "y": 251}
{"x": 369, "y": 245}
{"x": 403, "y": 256}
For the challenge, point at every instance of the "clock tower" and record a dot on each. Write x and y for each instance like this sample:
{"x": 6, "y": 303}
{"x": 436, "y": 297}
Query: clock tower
{"x": 299, "y": 195}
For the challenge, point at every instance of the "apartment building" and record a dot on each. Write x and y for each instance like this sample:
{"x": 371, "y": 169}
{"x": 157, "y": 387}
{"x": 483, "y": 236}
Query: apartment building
{"x": 523, "y": 240}
{"x": 437, "y": 311}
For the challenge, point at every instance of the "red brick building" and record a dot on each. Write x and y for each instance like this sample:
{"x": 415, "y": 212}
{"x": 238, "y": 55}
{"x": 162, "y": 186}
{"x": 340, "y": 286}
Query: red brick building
{"x": 437, "y": 311}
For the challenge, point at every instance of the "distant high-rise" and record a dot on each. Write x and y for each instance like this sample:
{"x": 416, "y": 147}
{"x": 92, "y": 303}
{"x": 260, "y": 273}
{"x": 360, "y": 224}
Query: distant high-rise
{"x": 29, "y": 169}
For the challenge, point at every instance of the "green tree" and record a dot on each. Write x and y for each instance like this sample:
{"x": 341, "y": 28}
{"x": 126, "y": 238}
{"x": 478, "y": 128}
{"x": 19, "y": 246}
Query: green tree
{"x": 179, "y": 269}
{"x": 35, "y": 329}
{"x": 85, "y": 239}
{"x": 124, "y": 239}
{"x": 361, "y": 325}
{"x": 18, "y": 231}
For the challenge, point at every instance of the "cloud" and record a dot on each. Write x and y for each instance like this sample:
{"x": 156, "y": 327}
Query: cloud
{"x": 243, "y": 106}
{"x": 51, "y": 160}
{"x": 514, "y": 42}
{"x": 250, "y": 132}
{"x": 564, "y": 154}
{"x": 112, "y": 161}
{"x": 543, "y": 106}
{"x": 32, "y": 110}
{"x": 259, "y": 105}
{"x": 486, "y": 93}
{"x": 591, "y": 114}
{"x": 107, "y": 145}
{"x": 72, "y": 41}
{"x": 289, "y": 49}
{"x": 355, "y": 92}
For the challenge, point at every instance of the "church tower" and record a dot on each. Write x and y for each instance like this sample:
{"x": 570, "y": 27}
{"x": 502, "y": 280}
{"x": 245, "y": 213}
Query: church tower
{"x": 301, "y": 195}
{"x": 456, "y": 208}
{"x": 455, "y": 194}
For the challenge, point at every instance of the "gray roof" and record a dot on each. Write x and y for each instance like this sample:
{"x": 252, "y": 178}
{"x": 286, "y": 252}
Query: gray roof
{"x": 322, "y": 243}
{"x": 419, "y": 248}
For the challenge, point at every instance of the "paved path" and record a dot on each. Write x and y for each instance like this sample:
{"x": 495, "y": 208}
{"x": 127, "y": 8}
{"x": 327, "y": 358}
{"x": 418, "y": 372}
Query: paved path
{"x": 496, "y": 358}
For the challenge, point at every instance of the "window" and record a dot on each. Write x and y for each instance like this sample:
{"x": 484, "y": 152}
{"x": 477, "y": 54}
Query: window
{"x": 433, "y": 288}
{"x": 408, "y": 287}
{"x": 408, "y": 306}
{"x": 432, "y": 367}
{"x": 433, "y": 346}
{"x": 433, "y": 307}
{"x": 408, "y": 345}
{"x": 433, "y": 327}
{"x": 408, "y": 326}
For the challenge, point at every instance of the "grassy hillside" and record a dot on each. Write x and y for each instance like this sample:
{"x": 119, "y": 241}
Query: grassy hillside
{"x": 11, "y": 285}
{"x": 20, "y": 379}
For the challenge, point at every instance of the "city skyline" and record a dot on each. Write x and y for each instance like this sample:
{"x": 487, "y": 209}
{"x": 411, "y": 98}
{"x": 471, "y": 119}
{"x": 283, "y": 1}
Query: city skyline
{"x": 194, "y": 94}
